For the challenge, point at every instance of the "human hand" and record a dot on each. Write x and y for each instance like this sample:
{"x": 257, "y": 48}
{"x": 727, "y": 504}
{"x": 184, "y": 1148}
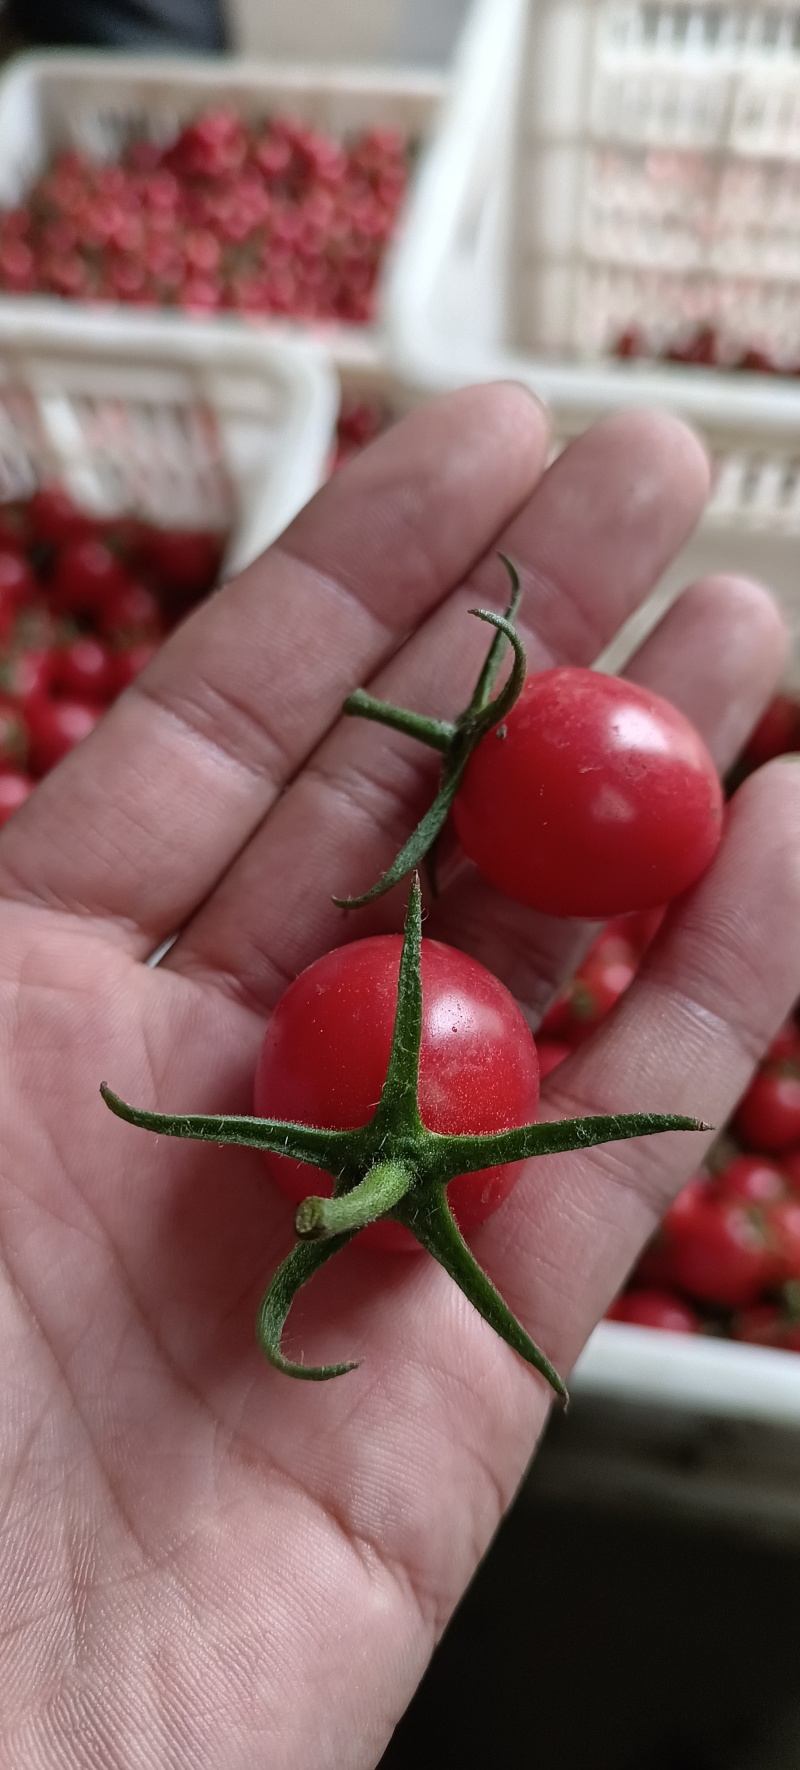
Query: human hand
{"x": 205, "y": 1562}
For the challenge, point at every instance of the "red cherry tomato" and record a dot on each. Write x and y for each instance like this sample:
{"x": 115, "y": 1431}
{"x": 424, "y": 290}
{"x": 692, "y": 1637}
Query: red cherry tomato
{"x": 14, "y": 527}
{"x": 86, "y": 669}
{"x": 86, "y": 575}
{"x": 766, "y": 1324}
{"x": 129, "y": 661}
{"x": 598, "y": 983}
{"x": 550, "y": 1052}
{"x": 55, "y": 728}
{"x": 790, "y": 1167}
{"x": 593, "y": 798}
{"x": 17, "y": 585}
{"x": 769, "y": 1115}
{"x": 642, "y": 927}
{"x": 14, "y": 735}
{"x": 186, "y": 561}
{"x": 655, "y": 1309}
{"x": 694, "y": 1193}
{"x": 783, "y": 1223}
{"x": 753, "y": 1179}
{"x": 654, "y": 1268}
{"x": 131, "y": 612}
{"x": 15, "y": 788}
{"x": 25, "y": 676}
{"x": 777, "y": 731}
{"x": 326, "y": 1052}
{"x": 721, "y": 1253}
{"x": 55, "y": 518}
{"x": 785, "y": 1045}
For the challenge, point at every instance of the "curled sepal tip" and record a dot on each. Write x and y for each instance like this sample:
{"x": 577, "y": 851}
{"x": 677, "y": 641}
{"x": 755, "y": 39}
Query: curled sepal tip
{"x": 299, "y": 1266}
{"x": 432, "y": 1222}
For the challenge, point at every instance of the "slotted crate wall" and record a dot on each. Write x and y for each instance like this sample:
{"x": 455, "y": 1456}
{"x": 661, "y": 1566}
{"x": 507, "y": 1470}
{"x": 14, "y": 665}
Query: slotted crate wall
{"x": 188, "y": 426}
{"x": 658, "y": 173}
{"x": 608, "y": 163}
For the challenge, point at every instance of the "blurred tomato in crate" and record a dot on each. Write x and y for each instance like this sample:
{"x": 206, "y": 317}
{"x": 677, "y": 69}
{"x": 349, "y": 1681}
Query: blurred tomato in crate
{"x": 138, "y": 461}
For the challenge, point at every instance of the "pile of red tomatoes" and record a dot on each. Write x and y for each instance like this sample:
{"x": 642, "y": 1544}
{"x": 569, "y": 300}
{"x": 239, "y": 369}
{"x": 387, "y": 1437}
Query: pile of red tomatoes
{"x": 726, "y": 1259}
{"x": 360, "y": 420}
{"x": 83, "y": 605}
{"x": 704, "y": 348}
{"x": 278, "y": 218}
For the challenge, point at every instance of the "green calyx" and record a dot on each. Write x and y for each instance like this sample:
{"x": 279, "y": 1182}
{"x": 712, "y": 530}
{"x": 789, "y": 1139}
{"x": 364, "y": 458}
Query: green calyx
{"x": 456, "y": 741}
{"x": 394, "y": 1167}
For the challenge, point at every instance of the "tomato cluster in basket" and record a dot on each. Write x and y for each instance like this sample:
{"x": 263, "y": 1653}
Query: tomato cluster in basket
{"x": 83, "y": 605}
{"x": 704, "y": 349}
{"x": 726, "y": 1259}
{"x": 361, "y": 418}
{"x": 274, "y": 218}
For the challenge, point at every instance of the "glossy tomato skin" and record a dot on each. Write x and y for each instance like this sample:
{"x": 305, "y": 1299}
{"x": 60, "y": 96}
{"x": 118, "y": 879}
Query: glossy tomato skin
{"x": 654, "y": 1309}
{"x": 54, "y": 517}
{"x": 594, "y": 798}
{"x": 85, "y": 669}
{"x": 722, "y": 1252}
{"x": 753, "y": 1179}
{"x": 55, "y": 728}
{"x": 15, "y": 788}
{"x": 766, "y": 1324}
{"x": 768, "y": 1116}
{"x": 85, "y": 575}
{"x": 326, "y": 1053}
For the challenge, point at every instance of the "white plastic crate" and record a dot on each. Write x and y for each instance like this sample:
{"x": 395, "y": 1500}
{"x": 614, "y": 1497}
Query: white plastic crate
{"x": 751, "y": 428}
{"x": 195, "y": 426}
{"x": 98, "y": 103}
{"x": 608, "y": 163}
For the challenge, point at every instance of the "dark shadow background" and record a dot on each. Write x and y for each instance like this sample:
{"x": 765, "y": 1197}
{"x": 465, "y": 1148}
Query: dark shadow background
{"x": 195, "y": 26}
{"x": 591, "y": 1640}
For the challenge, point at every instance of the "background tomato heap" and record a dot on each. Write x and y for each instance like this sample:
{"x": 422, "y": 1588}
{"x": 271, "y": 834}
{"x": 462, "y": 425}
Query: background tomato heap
{"x": 726, "y": 1259}
{"x": 360, "y": 420}
{"x": 277, "y": 218}
{"x": 83, "y": 605}
{"x": 704, "y": 348}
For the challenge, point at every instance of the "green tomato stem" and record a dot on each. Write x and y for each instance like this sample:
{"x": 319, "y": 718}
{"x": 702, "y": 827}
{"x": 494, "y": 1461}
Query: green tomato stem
{"x": 455, "y": 741}
{"x": 438, "y": 733}
{"x": 380, "y": 1190}
{"x": 432, "y": 1222}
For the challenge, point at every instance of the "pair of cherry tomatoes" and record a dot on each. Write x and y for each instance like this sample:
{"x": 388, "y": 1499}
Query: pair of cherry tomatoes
{"x": 593, "y": 797}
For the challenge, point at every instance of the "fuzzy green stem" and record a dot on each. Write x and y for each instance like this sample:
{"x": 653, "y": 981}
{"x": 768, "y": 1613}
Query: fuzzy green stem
{"x": 380, "y": 1190}
{"x": 299, "y": 1266}
{"x": 494, "y": 658}
{"x": 455, "y": 741}
{"x": 431, "y": 1220}
{"x": 333, "y": 1151}
{"x": 438, "y": 733}
{"x": 398, "y": 1107}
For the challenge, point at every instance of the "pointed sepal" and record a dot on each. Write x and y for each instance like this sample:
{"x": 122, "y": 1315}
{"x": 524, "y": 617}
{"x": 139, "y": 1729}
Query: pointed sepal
{"x": 431, "y": 1220}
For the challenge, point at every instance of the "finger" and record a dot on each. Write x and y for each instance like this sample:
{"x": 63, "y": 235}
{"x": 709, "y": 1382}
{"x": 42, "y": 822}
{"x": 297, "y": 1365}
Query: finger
{"x": 637, "y": 483}
{"x": 684, "y": 1038}
{"x": 139, "y": 822}
{"x": 717, "y": 654}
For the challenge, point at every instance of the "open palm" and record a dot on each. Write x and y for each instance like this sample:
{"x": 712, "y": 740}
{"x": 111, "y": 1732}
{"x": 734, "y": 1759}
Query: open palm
{"x": 202, "y": 1561}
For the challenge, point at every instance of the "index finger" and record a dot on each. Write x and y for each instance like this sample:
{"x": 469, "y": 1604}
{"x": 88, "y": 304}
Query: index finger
{"x": 137, "y": 825}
